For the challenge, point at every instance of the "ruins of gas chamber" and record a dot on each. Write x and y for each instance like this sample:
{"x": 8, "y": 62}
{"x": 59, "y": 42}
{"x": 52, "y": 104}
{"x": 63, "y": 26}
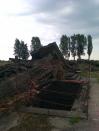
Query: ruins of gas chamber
{"x": 48, "y": 81}
{"x": 58, "y": 95}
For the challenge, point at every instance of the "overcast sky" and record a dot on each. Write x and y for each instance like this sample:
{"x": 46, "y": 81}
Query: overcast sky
{"x": 47, "y": 19}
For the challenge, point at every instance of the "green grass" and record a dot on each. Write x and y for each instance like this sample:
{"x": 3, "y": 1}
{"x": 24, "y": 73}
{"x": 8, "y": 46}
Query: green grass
{"x": 74, "y": 120}
{"x": 2, "y": 62}
{"x": 84, "y": 67}
{"x": 84, "y": 73}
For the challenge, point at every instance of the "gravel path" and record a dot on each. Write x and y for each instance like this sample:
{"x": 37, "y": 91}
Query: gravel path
{"x": 94, "y": 101}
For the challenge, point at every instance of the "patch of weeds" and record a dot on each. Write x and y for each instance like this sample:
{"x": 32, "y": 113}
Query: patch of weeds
{"x": 74, "y": 120}
{"x": 84, "y": 74}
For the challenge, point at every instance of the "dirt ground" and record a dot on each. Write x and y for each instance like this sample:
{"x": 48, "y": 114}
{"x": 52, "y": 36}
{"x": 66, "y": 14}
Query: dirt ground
{"x": 32, "y": 122}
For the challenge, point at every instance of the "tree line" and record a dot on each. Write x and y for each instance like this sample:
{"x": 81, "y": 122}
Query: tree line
{"x": 74, "y": 45}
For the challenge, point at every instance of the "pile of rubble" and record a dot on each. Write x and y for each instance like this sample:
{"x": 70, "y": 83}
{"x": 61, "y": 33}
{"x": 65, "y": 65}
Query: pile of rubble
{"x": 55, "y": 82}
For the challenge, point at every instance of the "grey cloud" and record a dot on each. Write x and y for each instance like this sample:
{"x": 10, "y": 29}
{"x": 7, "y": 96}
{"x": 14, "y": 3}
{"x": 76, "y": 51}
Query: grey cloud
{"x": 84, "y": 12}
{"x": 83, "y": 17}
{"x": 47, "y": 6}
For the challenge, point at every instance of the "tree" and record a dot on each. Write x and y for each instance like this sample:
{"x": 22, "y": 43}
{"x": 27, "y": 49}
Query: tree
{"x": 90, "y": 46}
{"x": 73, "y": 46}
{"x": 35, "y": 44}
{"x": 81, "y": 44}
{"x": 69, "y": 44}
{"x": 24, "y": 51}
{"x": 17, "y": 48}
{"x": 64, "y": 45}
{"x": 21, "y": 50}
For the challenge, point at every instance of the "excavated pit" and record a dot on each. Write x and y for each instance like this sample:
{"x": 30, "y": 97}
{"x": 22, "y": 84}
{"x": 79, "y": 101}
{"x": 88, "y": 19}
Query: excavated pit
{"x": 58, "y": 95}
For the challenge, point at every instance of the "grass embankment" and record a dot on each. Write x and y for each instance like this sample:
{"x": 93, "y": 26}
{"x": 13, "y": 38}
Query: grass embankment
{"x": 94, "y": 74}
{"x": 84, "y": 67}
